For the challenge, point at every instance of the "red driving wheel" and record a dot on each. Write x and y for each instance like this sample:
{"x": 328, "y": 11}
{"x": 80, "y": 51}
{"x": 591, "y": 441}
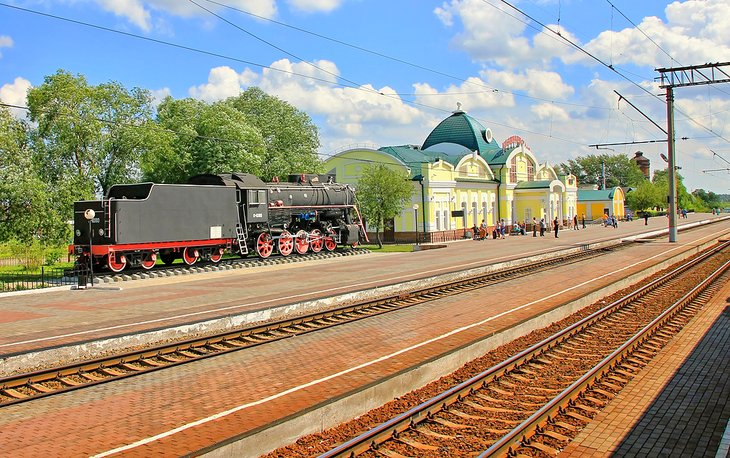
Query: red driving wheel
{"x": 286, "y": 243}
{"x": 301, "y": 242}
{"x": 316, "y": 240}
{"x": 264, "y": 245}
{"x": 329, "y": 242}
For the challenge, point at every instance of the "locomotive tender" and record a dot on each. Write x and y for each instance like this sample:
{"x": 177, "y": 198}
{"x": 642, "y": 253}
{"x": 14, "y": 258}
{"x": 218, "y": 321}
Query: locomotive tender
{"x": 211, "y": 214}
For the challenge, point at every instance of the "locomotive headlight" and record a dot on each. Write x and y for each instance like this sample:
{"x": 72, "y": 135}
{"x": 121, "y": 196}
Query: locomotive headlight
{"x": 89, "y": 214}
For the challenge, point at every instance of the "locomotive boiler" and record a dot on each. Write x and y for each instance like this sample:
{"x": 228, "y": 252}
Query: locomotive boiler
{"x": 135, "y": 224}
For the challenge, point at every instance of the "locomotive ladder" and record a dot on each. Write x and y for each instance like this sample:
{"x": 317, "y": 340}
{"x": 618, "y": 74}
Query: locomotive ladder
{"x": 241, "y": 236}
{"x": 106, "y": 205}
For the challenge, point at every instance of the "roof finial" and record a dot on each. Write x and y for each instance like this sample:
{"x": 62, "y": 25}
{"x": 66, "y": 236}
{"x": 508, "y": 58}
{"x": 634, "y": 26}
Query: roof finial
{"x": 458, "y": 107}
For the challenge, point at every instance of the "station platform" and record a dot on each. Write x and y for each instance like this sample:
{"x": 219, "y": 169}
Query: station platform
{"x": 678, "y": 405}
{"x": 249, "y": 402}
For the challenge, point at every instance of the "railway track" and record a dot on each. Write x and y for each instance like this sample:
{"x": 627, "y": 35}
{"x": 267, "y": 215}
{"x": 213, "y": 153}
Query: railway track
{"x": 33, "y": 385}
{"x": 533, "y": 403}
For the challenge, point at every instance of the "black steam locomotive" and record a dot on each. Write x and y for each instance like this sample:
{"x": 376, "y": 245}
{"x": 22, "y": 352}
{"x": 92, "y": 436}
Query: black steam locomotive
{"x": 213, "y": 214}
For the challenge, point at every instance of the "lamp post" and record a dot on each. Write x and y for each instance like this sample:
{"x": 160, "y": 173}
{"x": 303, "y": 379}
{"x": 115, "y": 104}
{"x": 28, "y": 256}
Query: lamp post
{"x": 89, "y": 215}
{"x": 415, "y": 213}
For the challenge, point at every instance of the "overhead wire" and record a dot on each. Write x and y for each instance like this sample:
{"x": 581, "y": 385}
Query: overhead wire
{"x": 403, "y": 61}
{"x": 350, "y": 85}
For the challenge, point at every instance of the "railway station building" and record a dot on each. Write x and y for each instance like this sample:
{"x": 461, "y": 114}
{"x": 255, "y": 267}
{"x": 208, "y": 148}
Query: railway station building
{"x": 594, "y": 203}
{"x": 462, "y": 176}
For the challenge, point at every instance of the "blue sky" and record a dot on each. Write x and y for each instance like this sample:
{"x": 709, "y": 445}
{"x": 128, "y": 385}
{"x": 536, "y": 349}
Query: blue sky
{"x": 389, "y": 71}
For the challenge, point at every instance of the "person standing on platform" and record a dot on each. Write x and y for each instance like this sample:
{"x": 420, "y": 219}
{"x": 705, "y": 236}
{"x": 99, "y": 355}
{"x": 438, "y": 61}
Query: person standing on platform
{"x": 583, "y": 220}
{"x": 646, "y": 218}
{"x": 556, "y": 225}
{"x": 543, "y": 226}
{"x": 575, "y": 222}
{"x": 534, "y": 227}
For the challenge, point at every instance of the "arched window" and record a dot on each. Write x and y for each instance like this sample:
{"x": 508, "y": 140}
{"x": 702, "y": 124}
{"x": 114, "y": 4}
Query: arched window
{"x": 513, "y": 170}
{"x": 530, "y": 171}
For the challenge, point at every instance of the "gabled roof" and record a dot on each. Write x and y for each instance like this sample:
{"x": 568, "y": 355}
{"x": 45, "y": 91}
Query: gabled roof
{"x": 414, "y": 157}
{"x": 464, "y": 130}
{"x": 540, "y": 184}
{"x": 596, "y": 194}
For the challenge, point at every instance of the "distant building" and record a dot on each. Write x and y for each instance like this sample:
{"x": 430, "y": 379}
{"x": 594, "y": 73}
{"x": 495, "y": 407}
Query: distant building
{"x": 595, "y": 203}
{"x": 462, "y": 176}
{"x": 643, "y": 163}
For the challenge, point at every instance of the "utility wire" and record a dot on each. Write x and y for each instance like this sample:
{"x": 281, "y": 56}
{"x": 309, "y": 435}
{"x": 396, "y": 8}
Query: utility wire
{"x": 278, "y": 48}
{"x": 405, "y": 62}
{"x": 197, "y": 50}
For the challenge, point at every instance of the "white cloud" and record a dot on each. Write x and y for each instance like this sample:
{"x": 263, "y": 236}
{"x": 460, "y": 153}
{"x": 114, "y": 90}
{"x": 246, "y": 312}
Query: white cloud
{"x": 223, "y": 82}
{"x": 15, "y": 94}
{"x": 158, "y": 95}
{"x": 551, "y": 112}
{"x": 364, "y": 112}
{"x": 483, "y": 37}
{"x": 133, "y": 10}
{"x": 535, "y": 83}
{"x": 315, "y": 5}
{"x": 473, "y": 94}
{"x": 5, "y": 42}
{"x": 695, "y": 32}
{"x": 140, "y": 12}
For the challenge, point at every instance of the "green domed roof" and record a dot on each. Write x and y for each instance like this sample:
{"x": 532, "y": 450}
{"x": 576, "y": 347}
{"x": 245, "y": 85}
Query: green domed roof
{"x": 464, "y": 130}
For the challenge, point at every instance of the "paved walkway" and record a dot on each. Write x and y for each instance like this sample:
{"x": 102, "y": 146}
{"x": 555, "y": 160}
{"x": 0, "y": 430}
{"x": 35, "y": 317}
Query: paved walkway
{"x": 679, "y": 405}
{"x": 216, "y": 401}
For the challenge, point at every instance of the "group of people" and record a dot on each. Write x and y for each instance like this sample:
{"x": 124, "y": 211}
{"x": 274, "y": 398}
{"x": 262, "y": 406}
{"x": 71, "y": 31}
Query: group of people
{"x": 482, "y": 234}
{"x": 610, "y": 221}
{"x": 498, "y": 232}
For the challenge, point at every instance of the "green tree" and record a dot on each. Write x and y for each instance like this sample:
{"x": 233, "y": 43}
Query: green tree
{"x": 28, "y": 205}
{"x": 684, "y": 199}
{"x": 290, "y": 137}
{"x": 382, "y": 194}
{"x": 708, "y": 199}
{"x": 644, "y": 197}
{"x": 620, "y": 170}
{"x": 92, "y": 136}
{"x": 204, "y": 138}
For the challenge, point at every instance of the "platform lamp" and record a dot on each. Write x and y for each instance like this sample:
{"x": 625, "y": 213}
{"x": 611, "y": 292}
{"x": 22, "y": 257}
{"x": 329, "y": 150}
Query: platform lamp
{"x": 415, "y": 213}
{"x": 89, "y": 215}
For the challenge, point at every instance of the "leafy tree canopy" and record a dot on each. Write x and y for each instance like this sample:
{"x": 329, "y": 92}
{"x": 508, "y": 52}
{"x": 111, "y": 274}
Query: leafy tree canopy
{"x": 204, "y": 138}
{"x": 29, "y": 207}
{"x": 94, "y": 135}
{"x": 382, "y": 194}
{"x": 644, "y": 197}
{"x": 290, "y": 137}
{"x": 620, "y": 170}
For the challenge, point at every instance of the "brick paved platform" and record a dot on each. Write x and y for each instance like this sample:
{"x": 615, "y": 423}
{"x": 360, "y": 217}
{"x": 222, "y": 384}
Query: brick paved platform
{"x": 679, "y": 405}
{"x": 218, "y": 404}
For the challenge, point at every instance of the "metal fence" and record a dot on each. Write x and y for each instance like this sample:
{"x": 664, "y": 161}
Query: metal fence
{"x": 47, "y": 277}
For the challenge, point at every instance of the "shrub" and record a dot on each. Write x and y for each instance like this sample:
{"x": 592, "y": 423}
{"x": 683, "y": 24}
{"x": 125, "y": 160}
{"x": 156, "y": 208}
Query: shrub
{"x": 30, "y": 256}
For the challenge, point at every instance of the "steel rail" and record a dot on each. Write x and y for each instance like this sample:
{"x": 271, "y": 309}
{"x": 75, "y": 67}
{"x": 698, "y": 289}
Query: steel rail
{"x": 29, "y": 386}
{"x": 537, "y": 421}
{"x": 393, "y": 427}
